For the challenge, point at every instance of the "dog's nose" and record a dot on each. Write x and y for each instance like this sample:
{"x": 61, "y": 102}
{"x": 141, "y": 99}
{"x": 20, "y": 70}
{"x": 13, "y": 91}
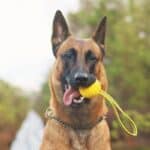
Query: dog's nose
{"x": 81, "y": 77}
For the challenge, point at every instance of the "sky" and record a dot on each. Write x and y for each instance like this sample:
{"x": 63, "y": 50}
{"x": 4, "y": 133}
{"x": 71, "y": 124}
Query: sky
{"x": 25, "y": 32}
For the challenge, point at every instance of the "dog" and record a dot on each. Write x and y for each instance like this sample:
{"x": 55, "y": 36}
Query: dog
{"x": 75, "y": 122}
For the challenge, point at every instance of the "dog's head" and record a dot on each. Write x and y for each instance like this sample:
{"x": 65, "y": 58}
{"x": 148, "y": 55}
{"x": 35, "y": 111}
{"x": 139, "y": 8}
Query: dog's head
{"x": 79, "y": 62}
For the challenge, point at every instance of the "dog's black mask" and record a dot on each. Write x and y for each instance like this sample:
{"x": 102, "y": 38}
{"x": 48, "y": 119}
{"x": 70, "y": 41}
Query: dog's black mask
{"x": 74, "y": 73}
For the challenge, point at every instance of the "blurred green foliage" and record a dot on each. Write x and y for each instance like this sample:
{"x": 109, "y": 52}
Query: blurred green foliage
{"x": 42, "y": 101}
{"x": 13, "y": 106}
{"x": 127, "y": 59}
{"x": 142, "y": 122}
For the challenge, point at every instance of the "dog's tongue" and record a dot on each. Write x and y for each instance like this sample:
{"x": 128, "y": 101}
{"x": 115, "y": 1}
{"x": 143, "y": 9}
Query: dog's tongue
{"x": 69, "y": 95}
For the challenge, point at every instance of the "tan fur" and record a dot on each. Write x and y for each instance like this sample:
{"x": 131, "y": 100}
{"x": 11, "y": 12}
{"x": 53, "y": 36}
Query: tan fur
{"x": 56, "y": 136}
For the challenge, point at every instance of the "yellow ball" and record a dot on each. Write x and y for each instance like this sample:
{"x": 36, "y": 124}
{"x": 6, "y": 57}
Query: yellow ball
{"x": 91, "y": 91}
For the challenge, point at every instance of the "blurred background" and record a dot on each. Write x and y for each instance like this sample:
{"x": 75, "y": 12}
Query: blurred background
{"x": 26, "y": 59}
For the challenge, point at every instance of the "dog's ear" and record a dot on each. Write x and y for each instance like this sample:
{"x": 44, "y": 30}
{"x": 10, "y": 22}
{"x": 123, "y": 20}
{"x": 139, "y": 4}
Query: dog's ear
{"x": 60, "y": 31}
{"x": 99, "y": 35}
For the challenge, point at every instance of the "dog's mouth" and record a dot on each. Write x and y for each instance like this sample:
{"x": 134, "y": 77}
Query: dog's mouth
{"x": 72, "y": 97}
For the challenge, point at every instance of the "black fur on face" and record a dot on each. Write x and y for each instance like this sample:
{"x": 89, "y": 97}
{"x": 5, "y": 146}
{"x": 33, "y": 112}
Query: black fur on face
{"x": 68, "y": 60}
{"x": 72, "y": 68}
{"x": 91, "y": 61}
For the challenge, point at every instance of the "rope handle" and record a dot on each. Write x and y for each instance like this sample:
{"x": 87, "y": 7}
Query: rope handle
{"x": 117, "y": 108}
{"x": 96, "y": 89}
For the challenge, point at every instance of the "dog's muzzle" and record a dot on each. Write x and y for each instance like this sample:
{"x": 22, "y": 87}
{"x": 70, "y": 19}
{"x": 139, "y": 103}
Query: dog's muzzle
{"x": 72, "y": 96}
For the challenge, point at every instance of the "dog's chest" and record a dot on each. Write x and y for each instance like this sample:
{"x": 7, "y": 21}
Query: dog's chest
{"x": 79, "y": 140}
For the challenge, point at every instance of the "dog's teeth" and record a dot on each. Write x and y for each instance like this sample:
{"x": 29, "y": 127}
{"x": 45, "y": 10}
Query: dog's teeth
{"x": 66, "y": 86}
{"x": 79, "y": 100}
{"x": 82, "y": 98}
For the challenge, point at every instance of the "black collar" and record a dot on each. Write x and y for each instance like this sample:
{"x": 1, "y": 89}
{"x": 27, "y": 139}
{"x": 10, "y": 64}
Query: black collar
{"x": 49, "y": 115}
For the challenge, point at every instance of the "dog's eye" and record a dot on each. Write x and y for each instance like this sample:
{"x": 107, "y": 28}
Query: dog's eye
{"x": 69, "y": 55}
{"x": 91, "y": 57}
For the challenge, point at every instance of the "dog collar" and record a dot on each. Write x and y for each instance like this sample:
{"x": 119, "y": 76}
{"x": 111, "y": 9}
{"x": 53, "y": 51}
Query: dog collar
{"x": 49, "y": 115}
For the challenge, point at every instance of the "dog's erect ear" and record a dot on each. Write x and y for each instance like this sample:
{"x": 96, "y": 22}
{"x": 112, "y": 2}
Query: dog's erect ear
{"x": 60, "y": 31}
{"x": 99, "y": 35}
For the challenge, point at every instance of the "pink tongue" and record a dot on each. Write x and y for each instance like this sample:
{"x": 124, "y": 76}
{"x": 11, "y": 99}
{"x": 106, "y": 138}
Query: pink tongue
{"x": 69, "y": 95}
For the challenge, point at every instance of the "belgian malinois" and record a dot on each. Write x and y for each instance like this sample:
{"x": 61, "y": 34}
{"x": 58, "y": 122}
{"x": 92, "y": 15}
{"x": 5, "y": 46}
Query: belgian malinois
{"x": 75, "y": 122}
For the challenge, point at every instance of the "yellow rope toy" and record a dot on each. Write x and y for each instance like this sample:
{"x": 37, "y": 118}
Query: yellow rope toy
{"x": 95, "y": 89}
